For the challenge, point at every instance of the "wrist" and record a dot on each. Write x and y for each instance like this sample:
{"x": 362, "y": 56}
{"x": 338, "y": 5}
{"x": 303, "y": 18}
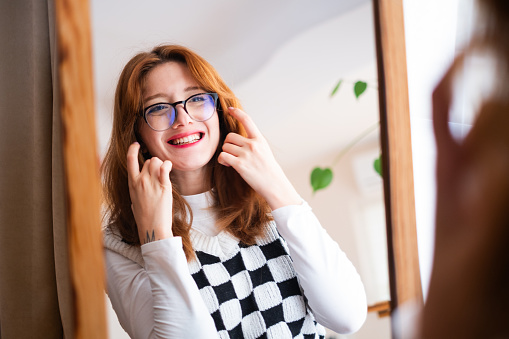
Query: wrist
{"x": 284, "y": 196}
{"x": 153, "y": 234}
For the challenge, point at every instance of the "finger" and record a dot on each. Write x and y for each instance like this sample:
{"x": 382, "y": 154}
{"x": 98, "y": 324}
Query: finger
{"x": 133, "y": 167}
{"x": 145, "y": 168}
{"x": 155, "y": 167}
{"x": 236, "y": 139}
{"x": 164, "y": 175}
{"x": 232, "y": 149}
{"x": 227, "y": 159}
{"x": 441, "y": 104}
{"x": 251, "y": 129}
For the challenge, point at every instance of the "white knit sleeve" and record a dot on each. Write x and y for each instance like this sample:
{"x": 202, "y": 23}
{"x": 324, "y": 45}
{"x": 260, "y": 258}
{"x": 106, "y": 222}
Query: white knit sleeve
{"x": 160, "y": 300}
{"x": 330, "y": 282}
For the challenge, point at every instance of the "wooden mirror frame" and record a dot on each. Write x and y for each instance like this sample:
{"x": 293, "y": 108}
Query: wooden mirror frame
{"x": 83, "y": 183}
{"x": 404, "y": 273}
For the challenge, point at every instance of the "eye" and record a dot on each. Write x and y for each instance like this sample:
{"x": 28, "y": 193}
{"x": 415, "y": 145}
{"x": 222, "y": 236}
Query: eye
{"x": 159, "y": 109}
{"x": 198, "y": 98}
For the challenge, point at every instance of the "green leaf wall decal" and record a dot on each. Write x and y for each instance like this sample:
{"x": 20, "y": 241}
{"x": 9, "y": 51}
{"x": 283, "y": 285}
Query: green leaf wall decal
{"x": 359, "y": 88}
{"x": 336, "y": 88}
{"x": 320, "y": 178}
{"x": 378, "y": 165}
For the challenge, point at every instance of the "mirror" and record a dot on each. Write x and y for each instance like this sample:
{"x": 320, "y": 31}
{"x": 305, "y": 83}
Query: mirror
{"x": 283, "y": 60}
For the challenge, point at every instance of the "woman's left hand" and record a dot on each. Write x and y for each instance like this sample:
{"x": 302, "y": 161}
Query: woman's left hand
{"x": 252, "y": 158}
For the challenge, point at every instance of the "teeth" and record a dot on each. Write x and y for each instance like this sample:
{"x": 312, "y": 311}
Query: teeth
{"x": 186, "y": 140}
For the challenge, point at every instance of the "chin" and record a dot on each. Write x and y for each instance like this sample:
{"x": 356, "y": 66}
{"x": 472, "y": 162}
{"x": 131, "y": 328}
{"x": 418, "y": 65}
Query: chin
{"x": 189, "y": 167}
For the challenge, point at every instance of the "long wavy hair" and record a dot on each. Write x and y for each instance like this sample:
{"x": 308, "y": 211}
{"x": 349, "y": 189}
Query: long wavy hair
{"x": 240, "y": 210}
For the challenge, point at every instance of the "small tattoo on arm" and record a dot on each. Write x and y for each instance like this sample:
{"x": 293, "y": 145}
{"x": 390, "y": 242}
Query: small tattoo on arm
{"x": 150, "y": 238}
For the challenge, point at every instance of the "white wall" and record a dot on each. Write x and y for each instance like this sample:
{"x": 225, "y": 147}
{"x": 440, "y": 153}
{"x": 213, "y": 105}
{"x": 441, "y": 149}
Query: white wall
{"x": 436, "y": 31}
{"x": 430, "y": 30}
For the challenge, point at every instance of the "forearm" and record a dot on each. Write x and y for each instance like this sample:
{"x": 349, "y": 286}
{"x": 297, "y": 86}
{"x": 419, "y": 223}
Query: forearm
{"x": 179, "y": 310}
{"x": 160, "y": 300}
{"x": 330, "y": 281}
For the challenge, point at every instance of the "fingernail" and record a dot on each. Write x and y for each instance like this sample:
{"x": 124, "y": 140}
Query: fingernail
{"x": 231, "y": 108}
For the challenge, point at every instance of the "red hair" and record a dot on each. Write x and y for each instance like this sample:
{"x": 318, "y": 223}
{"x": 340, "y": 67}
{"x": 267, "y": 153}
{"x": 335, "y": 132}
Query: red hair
{"x": 240, "y": 210}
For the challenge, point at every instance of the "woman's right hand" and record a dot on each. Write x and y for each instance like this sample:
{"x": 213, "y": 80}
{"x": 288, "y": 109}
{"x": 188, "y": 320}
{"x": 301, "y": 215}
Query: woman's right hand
{"x": 151, "y": 196}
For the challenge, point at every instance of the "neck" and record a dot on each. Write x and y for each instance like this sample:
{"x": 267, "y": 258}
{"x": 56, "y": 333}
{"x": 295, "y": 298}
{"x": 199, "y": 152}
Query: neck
{"x": 191, "y": 182}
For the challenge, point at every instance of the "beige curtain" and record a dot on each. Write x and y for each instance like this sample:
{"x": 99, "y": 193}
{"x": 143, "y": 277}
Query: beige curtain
{"x": 35, "y": 287}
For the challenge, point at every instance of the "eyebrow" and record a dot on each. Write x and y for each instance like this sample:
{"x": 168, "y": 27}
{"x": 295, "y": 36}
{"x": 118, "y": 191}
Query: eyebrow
{"x": 187, "y": 89}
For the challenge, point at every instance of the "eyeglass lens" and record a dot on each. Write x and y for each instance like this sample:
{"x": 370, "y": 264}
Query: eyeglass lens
{"x": 200, "y": 107}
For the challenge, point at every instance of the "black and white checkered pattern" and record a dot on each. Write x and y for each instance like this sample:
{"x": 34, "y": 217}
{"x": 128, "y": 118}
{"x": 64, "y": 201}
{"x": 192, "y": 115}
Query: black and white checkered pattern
{"x": 253, "y": 291}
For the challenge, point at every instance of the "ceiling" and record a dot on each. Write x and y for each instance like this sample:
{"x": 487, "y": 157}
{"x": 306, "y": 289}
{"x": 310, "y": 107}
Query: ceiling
{"x": 280, "y": 57}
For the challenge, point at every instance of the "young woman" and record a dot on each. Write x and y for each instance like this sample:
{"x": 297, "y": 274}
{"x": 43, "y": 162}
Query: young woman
{"x": 468, "y": 290}
{"x": 207, "y": 238}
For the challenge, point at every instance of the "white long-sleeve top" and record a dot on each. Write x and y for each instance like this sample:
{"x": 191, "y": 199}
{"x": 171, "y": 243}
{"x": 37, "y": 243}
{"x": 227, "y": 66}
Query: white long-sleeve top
{"x": 155, "y": 296}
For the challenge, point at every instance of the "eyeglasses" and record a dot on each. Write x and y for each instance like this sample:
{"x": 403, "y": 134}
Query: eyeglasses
{"x": 161, "y": 116}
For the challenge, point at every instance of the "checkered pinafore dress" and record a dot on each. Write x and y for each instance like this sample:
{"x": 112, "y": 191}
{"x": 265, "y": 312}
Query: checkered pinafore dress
{"x": 251, "y": 291}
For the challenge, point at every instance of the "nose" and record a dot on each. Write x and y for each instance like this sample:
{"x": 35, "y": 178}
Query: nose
{"x": 182, "y": 118}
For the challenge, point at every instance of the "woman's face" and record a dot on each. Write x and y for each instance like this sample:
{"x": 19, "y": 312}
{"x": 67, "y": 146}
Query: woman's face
{"x": 168, "y": 83}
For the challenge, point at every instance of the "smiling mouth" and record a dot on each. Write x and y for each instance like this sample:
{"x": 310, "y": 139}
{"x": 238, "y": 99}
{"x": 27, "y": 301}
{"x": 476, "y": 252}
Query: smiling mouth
{"x": 190, "y": 139}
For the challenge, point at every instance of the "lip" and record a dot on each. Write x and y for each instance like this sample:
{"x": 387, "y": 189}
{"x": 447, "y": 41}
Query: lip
{"x": 185, "y": 134}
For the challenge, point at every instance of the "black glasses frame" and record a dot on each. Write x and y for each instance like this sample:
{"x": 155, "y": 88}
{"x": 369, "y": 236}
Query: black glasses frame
{"x": 174, "y": 105}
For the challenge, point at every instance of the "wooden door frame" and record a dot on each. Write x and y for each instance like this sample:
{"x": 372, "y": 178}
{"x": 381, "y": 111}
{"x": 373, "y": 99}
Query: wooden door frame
{"x": 81, "y": 163}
